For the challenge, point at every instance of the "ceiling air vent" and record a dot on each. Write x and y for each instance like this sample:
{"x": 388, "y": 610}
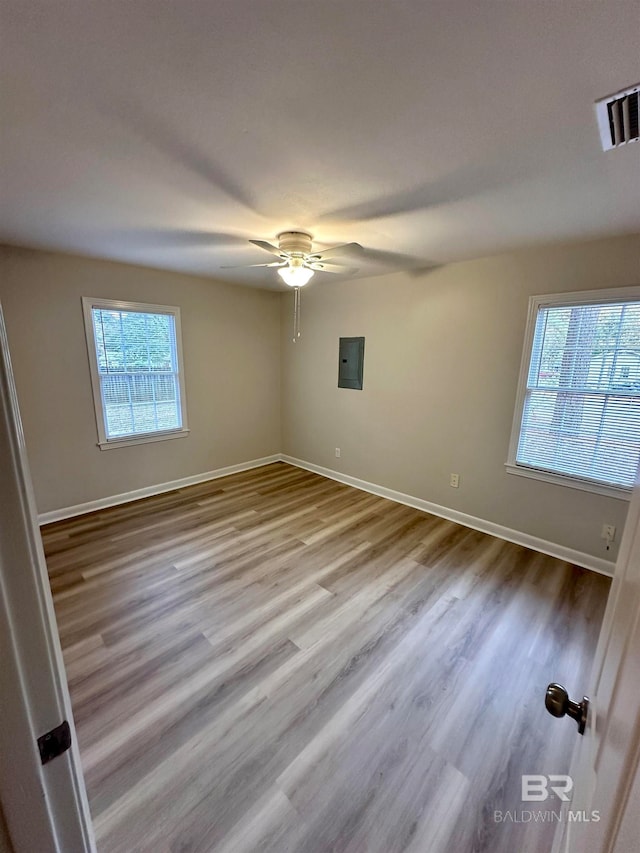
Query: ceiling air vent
{"x": 618, "y": 118}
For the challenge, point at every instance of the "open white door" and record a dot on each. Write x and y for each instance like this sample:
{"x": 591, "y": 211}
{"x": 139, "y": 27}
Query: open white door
{"x": 604, "y": 814}
{"x": 45, "y": 805}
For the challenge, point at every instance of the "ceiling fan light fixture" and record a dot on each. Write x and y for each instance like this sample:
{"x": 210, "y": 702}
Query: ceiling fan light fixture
{"x": 295, "y": 275}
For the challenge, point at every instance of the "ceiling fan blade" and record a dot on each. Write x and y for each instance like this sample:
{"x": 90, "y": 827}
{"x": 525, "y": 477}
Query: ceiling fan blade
{"x": 503, "y": 168}
{"x": 320, "y": 259}
{"x": 247, "y": 266}
{"x": 268, "y": 247}
{"x": 336, "y": 251}
{"x": 393, "y": 259}
{"x": 137, "y": 118}
{"x": 395, "y": 204}
{"x": 333, "y": 268}
{"x": 177, "y": 238}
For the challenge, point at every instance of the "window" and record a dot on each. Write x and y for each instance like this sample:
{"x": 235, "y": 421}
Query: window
{"x": 135, "y": 355}
{"x": 577, "y": 418}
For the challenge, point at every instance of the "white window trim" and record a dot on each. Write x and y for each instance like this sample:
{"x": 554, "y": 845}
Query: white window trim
{"x": 559, "y": 300}
{"x": 105, "y": 443}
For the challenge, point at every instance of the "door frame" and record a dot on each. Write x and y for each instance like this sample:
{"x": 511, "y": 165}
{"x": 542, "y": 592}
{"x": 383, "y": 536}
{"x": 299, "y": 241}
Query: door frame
{"x": 45, "y": 806}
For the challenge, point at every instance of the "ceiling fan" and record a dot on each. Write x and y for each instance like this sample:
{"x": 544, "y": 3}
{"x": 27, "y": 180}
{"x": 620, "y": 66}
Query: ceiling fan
{"x": 297, "y": 262}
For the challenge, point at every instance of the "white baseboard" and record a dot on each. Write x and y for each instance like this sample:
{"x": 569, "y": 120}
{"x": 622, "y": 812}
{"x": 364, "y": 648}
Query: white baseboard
{"x": 149, "y": 491}
{"x": 587, "y": 561}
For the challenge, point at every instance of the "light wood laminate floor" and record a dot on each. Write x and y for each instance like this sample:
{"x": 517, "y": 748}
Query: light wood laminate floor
{"x": 277, "y": 662}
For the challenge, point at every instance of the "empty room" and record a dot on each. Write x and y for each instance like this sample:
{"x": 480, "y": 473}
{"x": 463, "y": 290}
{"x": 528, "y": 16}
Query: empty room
{"x": 320, "y": 426}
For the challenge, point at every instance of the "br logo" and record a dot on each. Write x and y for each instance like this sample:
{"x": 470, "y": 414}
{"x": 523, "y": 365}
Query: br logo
{"x": 536, "y": 788}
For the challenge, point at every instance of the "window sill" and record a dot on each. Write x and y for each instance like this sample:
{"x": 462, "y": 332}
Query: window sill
{"x": 618, "y": 492}
{"x": 142, "y": 439}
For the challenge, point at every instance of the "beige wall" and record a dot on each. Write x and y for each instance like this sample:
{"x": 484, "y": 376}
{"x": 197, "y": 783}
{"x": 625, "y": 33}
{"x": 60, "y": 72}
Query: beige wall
{"x": 442, "y": 357}
{"x": 232, "y": 369}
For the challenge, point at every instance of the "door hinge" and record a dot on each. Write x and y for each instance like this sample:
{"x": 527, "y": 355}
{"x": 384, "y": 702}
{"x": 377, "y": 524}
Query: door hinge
{"x": 54, "y": 743}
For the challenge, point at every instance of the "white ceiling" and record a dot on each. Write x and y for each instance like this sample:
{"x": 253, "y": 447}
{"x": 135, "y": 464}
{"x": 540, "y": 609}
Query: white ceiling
{"x": 168, "y": 133}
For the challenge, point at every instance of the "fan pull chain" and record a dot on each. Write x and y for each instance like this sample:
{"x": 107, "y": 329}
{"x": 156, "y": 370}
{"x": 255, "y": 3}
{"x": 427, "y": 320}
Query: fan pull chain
{"x": 296, "y": 314}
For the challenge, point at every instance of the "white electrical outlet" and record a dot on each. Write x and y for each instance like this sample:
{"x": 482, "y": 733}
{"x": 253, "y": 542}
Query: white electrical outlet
{"x": 454, "y": 480}
{"x": 337, "y": 453}
{"x": 608, "y": 532}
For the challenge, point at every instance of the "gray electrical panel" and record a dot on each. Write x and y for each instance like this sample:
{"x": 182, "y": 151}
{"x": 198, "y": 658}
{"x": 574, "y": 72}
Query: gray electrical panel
{"x": 351, "y": 363}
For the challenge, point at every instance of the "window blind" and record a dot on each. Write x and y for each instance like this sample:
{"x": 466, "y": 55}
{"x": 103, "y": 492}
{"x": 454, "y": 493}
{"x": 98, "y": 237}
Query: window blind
{"x": 581, "y": 414}
{"x": 138, "y": 369}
